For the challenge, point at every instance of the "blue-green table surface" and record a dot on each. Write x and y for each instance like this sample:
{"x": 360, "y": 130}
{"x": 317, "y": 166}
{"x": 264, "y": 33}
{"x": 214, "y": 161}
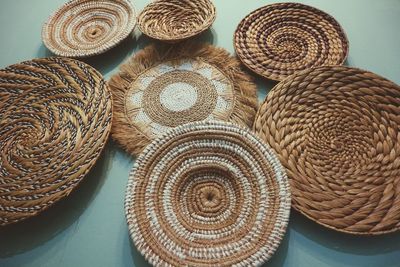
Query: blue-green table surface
{"x": 88, "y": 228}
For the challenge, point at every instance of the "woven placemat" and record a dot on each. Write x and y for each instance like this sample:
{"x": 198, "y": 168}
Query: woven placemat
{"x": 55, "y": 118}
{"x": 163, "y": 87}
{"x": 280, "y": 39}
{"x": 176, "y": 20}
{"x": 207, "y": 194}
{"x": 336, "y": 130}
{"x": 82, "y": 28}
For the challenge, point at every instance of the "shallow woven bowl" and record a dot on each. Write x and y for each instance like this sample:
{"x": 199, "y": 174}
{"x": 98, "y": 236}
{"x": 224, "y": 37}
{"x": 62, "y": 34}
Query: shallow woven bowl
{"x": 278, "y": 40}
{"x": 336, "y": 130}
{"x": 176, "y": 20}
{"x": 207, "y": 194}
{"x": 82, "y": 28}
{"x": 55, "y": 118}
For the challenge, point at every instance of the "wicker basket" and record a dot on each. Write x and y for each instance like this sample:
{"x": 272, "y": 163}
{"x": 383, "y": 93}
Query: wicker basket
{"x": 207, "y": 194}
{"x": 336, "y": 130}
{"x": 55, "y": 118}
{"x": 163, "y": 87}
{"x": 176, "y": 20}
{"x": 278, "y": 40}
{"x": 82, "y": 28}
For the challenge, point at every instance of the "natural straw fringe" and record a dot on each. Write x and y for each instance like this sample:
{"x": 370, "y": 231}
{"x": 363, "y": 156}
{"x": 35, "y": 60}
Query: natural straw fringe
{"x": 245, "y": 99}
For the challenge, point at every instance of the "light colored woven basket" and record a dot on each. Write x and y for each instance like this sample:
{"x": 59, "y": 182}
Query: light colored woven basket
{"x": 82, "y": 28}
{"x": 163, "y": 87}
{"x": 336, "y": 130}
{"x": 278, "y": 40}
{"x": 207, "y": 194}
{"x": 55, "y": 118}
{"x": 176, "y": 20}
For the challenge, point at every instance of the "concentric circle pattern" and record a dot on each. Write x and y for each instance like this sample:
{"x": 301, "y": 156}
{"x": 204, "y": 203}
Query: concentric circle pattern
{"x": 175, "y": 20}
{"x": 280, "y": 39}
{"x": 207, "y": 194}
{"x": 55, "y": 118}
{"x": 83, "y": 28}
{"x": 337, "y": 131}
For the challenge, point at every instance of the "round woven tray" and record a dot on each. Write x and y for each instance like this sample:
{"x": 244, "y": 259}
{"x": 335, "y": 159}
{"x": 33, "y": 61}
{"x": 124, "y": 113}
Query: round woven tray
{"x": 82, "y": 28}
{"x": 207, "y": 194}
{"x": 176, "y": 20}
{"x": 336, "y": 130}
{"x": 55, "y": 118}
{"x": 164, "y": 87}
{"x": 280, "y": 39}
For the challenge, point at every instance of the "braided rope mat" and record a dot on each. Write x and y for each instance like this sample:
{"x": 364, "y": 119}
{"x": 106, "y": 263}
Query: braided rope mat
{"x": 163, "y": 87}
{"x": 82, "y": 28}
{"x": 55, "y": 118}
{"x": 278, "y": 40}
{"x": 207, "y": 194}
{"x": 175, "y": 20}
{"x": 337, "y": 131}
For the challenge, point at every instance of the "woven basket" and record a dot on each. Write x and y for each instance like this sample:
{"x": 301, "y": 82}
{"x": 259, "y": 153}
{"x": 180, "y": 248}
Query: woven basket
{"x": 207, "y": 194}
{"x": 278, "y": 40}
{"x": 82, "y": 28}
{"x": 336, "y": 130}
{"x": 55, "y": 118}
{"x": 176, "y": 20}
{"x": 163, "y": 87}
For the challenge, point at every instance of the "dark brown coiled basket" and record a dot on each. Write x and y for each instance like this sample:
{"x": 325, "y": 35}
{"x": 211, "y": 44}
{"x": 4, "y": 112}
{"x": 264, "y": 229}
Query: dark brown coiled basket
{"x": 337, "y": 132}
{"x": 278, "y": 40}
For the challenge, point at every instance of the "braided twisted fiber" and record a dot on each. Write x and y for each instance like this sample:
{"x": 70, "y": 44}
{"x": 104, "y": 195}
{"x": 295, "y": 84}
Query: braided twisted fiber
{"x": 176, "y": 20}
{"x": 280, "y": 39}
{"x": 82, "y": 28}
{"x": 337, "y": 132}
{"x": 55, "y": 118}
{"x": 207, "y": 194}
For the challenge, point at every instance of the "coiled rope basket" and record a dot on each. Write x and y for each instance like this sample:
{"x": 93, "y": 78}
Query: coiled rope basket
{"x": 207, "y": 194}
{"x": 337, "y": 132}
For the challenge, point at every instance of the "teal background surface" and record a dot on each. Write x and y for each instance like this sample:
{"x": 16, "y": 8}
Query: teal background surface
{"x": 88, "y": 228}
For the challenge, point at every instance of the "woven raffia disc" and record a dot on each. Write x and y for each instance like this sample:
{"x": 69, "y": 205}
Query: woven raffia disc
{"x": 55, "y": 117}
{"x": 207, "y": 194}
{"x": 337, "y": 131}
{"x": 280, "y": 39}
{"x": 164, "y": 87}
{"x": 83, "y": 28}
{"x": 175, "y": 20}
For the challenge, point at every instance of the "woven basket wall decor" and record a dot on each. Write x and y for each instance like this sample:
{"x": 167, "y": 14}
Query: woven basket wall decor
{"x": 278, "y": 40}
{"x": 207, "y": 194}
{"x": 163, "y": 87}
{"x": 337, "y": 132}
{"x": 55, "y": 118}
{"x": 82, "y": 28}
{"x": 176, "y": 20}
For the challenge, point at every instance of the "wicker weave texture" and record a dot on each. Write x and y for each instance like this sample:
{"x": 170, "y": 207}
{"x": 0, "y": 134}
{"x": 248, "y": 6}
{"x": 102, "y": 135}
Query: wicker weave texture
{"x": 207, "y": 194}
{"x": 278, "y": 40}
{"x": 82, "y": 28}
{"x": 176, "y": 20}
{"x": 337, "y": 131}
{"x": 163, "y": 87}
{"x": 55, "y": 118}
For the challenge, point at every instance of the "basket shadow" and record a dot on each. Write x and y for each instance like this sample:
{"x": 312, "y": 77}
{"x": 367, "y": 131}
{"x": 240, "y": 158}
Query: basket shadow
{"x": 342, "y": 242}
{"x": 31, "y": 233}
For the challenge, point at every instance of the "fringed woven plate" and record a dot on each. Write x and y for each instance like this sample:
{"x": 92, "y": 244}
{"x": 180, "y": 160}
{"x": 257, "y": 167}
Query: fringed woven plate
{"x": 337, "y": 132}
{"x": 82, "y": 28}
{"x": 280, "y": 39}
{"x": 207, "y": 194}
{"x": 55, "y": 118}
{"x": 176, "y": 20}
{"x": 164, "y": 87}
